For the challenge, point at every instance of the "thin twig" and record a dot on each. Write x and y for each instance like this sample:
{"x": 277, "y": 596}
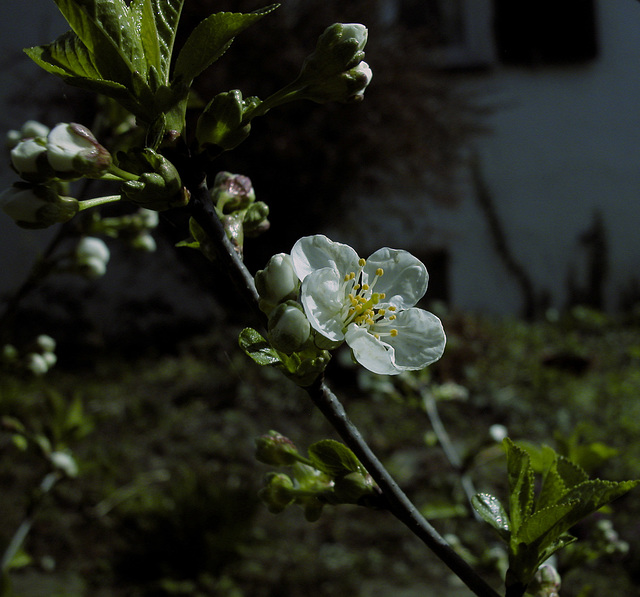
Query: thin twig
{"x": 431, "y": 408}
{"x": 399, "y": 504}
{"x": 201, "y": 209}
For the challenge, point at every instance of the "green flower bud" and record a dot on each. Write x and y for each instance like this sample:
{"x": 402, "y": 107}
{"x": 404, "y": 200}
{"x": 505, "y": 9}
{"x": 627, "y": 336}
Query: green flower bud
{"x": 220, "y": 123}
{"x": 91, "y": 257}
{"x": 37, "y": 205}
{"x": 255, "y": 219}
{"x": 289, "y": 328}
{"x": 312, "y": 508}
{"x": 232, "y": 192}
{"x": 143, "y": 242}
{"x": 276, "y": 449}
{"x": 30, "y": 129}
{"x": 347, "y": 86}
{"x": 351, "y": 488}
{"x": 73, "y": 151}
{"x": 277, "y": 282}
{"x": 157, "y": 190}
{"x": 278, "y": 493}
{"x": 339, "y": 49}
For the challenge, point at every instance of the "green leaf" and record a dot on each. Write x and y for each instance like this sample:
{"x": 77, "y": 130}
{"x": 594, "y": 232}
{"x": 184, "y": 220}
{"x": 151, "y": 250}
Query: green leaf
{"x": 334, "y": 459}
{"x": 591, "y": 496}
{"x": 541, "y": 522}
{"x": 520, "y": 475}
{"x": 107, "y": 29}
{"x": 211, "y": 39}
{"x": 492, "y": 511}
{"x": 258, "y": 348}
{"x": 157, "y": 21}
{"x": 68, "y": 58}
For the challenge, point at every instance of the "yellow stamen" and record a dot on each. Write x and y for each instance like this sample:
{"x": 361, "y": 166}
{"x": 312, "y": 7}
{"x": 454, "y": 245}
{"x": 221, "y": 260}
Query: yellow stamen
{"x": 362, "y": 262}
{"x": 379, "y": 272}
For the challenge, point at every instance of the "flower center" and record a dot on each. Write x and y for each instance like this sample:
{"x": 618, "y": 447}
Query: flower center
{"x": 361, "y": 303}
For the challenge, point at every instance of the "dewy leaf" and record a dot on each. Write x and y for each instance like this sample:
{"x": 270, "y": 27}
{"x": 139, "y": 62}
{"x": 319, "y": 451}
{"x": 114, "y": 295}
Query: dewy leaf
{"x": 157, "y": 22}
{"x": 492, "y": 511}
{"x": 541, "y": 522}
{"x": 210, "y": 39}
{"x": 107, "y": 29}
{"x": 68, "y": 58}
{"x": 334, "y": 458}
{"x": 520, "y": 475}
{"x": 258, "y": 348}
{"x": 591, "y": 496}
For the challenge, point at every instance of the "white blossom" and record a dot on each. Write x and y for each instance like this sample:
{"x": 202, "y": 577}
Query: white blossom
{"x": 370, "y": 304}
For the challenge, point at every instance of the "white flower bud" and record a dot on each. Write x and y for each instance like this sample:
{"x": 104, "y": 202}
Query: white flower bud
{"x": 150, "y": 218}
{"x": 92, "y": 256}
{"x": 64, "y": 462}
{"x": 73, "y": 151}
{"x": 277, "y": 282}
{"x": 28, "y": 158}
{"x": 289, "y": 327}
{"x": 33, "y": 128}
{"x": 37, "y": 364}
{"x": 46, "y": 343}
{"x": 37, "y": 206}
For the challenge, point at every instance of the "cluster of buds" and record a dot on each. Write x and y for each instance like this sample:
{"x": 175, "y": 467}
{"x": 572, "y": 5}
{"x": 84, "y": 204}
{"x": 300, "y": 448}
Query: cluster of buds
{"x": 90, "y": 257}
{"x": 46, "y": 159}
{"x": 306, "y": 484}
{"x": 135, "y": 228}
{"x": 37, "y": 358}
{"x": 237, "y": 208}
{"x": 289, "y": 330}
{"x": 336, "y": 70}
{"x": 158, "y": 185}
{"x": 68, "y": 151}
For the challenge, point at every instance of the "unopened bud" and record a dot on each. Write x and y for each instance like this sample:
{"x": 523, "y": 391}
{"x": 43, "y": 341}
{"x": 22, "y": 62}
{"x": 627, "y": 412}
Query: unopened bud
{"x": 276, "y": 449}
{"x": 92, "y": 256}
{"x": 255, "y": 219}
{"x": 158, "y": 190}
{"x": 73, "y": 151}
{"x": 232, "y": 192}
{"x": 220, "y": 123}
{"x": 545, "y": 583}
{"x": 29, "y": 160}
{"x": 277, "y": 282}
{"x": 339, "y": 49}
{"x": 289, "y": 328}
{"x": 36, "y": 205}
{"x": 278, "y": 492}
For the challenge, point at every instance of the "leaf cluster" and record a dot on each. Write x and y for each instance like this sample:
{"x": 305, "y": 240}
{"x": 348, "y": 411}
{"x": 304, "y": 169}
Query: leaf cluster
{"x": 537, "y": 523}
{"x": 126, "y": 52}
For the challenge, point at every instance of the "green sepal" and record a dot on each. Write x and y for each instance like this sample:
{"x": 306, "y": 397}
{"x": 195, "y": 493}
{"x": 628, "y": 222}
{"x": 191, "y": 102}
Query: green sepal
{"x": 334, "y": 459}
{"x": 211, "y": 39}
{"x": 492, "y": 511}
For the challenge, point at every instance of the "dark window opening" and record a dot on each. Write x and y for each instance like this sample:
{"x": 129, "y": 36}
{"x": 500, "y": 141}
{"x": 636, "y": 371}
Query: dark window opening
{"x": 532, "y": 32}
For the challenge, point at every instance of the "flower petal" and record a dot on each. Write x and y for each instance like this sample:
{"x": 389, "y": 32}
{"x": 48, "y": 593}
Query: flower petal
{"x": 323, "y": 303}
{"x": 405, "y": 277}
{"x": 371, "y": 353}
{"x": 420, "y": 340}
{"x": 312, "y": 253}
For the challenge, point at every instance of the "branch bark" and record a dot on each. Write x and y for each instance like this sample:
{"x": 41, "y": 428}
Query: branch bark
{"x": 325, "y": 400}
